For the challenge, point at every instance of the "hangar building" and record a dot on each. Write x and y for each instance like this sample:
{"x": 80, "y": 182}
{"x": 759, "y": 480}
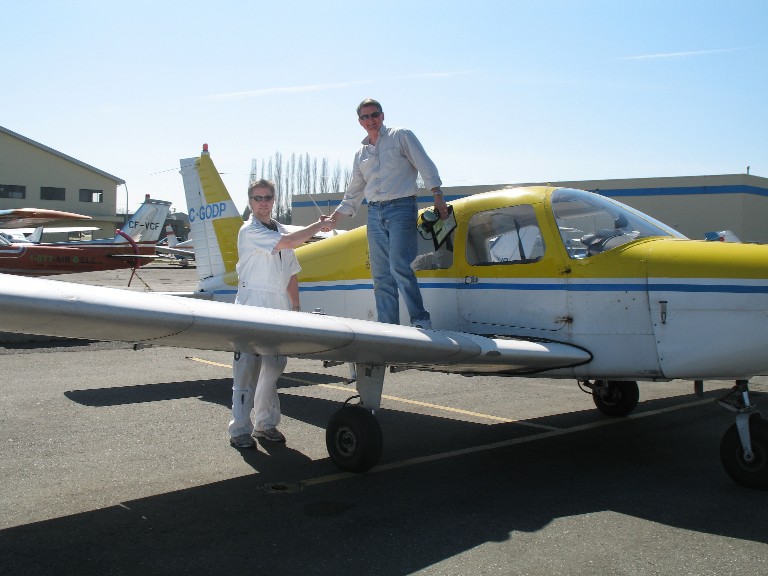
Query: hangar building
{"x": 33, "y": 175}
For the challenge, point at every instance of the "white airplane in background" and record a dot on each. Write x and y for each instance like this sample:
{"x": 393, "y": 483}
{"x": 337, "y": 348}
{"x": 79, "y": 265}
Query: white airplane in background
{"x": 182, "y": 251}
{"x": 35, "y": 235}
{"x": 536, "y": 281}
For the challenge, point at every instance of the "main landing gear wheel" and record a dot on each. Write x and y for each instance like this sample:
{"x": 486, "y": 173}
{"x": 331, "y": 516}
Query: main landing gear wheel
{"x": 354, "y": 439}
{"x": 752, "y": 471}
{"x": 615, "y": 397}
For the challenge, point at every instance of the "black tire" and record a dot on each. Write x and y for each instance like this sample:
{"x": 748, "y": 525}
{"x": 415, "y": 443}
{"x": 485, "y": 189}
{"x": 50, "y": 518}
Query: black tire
{"x": 354, "y": 439}
{"x": 748, "y": 474}
{"x": 616, "y": 397}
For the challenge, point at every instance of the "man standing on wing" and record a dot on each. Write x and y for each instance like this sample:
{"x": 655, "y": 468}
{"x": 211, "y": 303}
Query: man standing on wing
{"x": 384, "y": 173}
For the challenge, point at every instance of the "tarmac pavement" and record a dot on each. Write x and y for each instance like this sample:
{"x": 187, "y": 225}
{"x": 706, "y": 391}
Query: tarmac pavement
{"x": 115, "y": 461}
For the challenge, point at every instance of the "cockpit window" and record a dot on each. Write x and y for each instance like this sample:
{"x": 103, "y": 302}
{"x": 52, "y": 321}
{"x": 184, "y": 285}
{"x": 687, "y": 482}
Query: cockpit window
{"x": 590, "y": 224}
{"x": 508, "y": 235}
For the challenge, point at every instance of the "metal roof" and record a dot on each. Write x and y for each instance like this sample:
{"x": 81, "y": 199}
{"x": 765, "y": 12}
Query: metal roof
{"x": 60, "y": 155}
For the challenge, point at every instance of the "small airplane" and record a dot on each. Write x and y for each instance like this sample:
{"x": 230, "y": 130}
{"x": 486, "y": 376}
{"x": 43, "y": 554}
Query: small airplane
{"x": 534, "y": 281}
{"x": 170, "y": 246}
{"x": 35, "y": 235}
{"x": 131, "y": 247}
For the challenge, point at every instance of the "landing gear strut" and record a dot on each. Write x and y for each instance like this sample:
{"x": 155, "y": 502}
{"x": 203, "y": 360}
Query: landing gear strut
{"x": 744, "y": 446}
{"x": 353, "y": 436}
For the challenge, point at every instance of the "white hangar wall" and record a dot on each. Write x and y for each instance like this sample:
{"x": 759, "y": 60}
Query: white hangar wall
{"x": 27, "y": 168}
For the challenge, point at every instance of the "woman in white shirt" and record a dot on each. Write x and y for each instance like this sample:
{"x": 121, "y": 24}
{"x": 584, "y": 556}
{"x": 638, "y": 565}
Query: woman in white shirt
{"x": 266, "y": 269}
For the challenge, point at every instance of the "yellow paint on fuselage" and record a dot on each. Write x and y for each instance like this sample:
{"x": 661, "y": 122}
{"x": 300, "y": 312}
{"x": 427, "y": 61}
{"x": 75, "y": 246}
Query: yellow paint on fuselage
{"x": 342, "y": 257}
{"x": 702, "y": 259}
{"x": 345, "y": 257}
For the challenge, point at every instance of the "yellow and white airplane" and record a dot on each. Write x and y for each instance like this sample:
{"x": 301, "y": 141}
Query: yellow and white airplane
{"x": 537, "y": 281}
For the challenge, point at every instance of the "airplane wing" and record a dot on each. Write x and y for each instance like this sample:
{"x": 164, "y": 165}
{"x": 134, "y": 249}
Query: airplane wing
{"x": 55, "y": 308}
{"x": 133, "y": 256}
{"x": 32, "y": 217}
{"x": 52, "y": 229}
{"x": 175, "y": 252}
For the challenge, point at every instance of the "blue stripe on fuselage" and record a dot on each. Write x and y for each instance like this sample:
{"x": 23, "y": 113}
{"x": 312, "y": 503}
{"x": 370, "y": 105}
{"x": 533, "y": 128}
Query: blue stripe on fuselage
{"x": 570, "y": 286}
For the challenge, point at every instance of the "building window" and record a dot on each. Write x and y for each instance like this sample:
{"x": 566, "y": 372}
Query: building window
{"x": 13, "y": 191}
{"x": 87, "y": 195}
{"x": 50, "y": 193}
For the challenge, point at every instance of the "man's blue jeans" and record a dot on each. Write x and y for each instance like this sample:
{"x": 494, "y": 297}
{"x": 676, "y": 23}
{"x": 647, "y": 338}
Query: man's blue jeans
{"x": 392, "y": 245}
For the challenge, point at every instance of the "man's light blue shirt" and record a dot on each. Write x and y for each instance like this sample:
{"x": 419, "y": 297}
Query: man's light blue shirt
{"x": 388, "y": 170}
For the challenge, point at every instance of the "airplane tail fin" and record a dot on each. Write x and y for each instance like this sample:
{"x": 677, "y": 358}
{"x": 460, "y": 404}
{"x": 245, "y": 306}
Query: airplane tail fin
{"x": 37, "y": 236}
{"x": 147, "y": 223}
{"x": 171, "y": 235}
{"x": 214, "y": 220}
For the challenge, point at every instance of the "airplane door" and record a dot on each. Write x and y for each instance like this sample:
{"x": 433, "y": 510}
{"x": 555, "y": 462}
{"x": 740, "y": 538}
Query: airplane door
{"x": 508, "y": 280}
{"x": 436, "y": 268}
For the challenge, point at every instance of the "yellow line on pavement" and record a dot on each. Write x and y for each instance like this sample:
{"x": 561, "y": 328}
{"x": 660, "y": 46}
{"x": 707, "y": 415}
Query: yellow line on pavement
{"x": 502, "y": 444}
{"x": 549, "y": 433}
{"x": 449, "y": 409}
{"x": 196, "y": 359}
{"x": 403, "y": 400}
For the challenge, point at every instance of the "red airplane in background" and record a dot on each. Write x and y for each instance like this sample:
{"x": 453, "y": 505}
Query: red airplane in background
{"x": 131, "y": 247}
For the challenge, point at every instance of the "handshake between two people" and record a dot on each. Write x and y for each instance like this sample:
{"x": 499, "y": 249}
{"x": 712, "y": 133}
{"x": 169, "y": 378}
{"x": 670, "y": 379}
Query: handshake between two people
{"x": 327, "y": 223}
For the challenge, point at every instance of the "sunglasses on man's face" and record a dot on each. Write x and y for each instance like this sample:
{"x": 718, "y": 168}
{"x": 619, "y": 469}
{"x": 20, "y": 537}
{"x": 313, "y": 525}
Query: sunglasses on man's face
{"x": 371, "y": 115}
{"x": 261, "y": 198}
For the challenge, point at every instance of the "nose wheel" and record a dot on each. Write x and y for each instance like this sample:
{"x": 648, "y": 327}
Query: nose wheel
{"x": 747, "y": 467}
{"x": 744, "y": 446}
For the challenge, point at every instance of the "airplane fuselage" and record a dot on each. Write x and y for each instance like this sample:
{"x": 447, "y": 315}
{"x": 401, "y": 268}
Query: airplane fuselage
{"x": 48, "y": 259}
{"x": 551, "y": 264}
{"x": 653, "y": 308}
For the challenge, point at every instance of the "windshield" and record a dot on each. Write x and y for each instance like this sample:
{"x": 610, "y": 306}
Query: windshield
{"x": 590, "y": 224}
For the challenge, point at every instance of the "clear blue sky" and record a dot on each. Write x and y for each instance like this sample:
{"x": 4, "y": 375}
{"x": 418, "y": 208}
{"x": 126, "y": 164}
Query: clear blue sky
{"x": 502, "y": 91}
